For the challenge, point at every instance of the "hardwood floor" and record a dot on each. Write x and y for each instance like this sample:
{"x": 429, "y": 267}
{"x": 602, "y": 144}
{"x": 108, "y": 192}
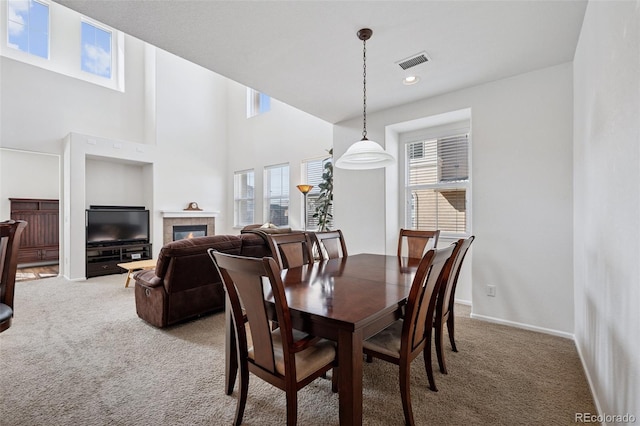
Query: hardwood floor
{"x": 37, "y": 272}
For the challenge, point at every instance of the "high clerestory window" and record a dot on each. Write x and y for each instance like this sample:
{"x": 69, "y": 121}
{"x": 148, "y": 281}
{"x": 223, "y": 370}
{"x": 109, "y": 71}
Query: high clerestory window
{"x": 95, "y": 53}
{"x": 45, "y": 34}
{"x": 28, "y": 27}
{"x": 257, "y": 103}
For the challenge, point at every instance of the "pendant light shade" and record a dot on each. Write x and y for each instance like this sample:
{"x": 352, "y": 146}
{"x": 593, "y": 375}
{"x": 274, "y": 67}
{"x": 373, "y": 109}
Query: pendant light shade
{"x": 365, "y": 154}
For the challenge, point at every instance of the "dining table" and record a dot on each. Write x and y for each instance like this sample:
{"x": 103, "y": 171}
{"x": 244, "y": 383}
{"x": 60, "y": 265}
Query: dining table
{"x": 346, "y": 300}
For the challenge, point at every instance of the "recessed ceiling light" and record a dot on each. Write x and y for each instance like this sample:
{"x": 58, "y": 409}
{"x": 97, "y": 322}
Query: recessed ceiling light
{"x": 409, "y": 80}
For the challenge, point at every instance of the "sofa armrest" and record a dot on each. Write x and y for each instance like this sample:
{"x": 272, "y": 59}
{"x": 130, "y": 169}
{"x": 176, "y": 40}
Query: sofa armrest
{"x": 148, "y": 278}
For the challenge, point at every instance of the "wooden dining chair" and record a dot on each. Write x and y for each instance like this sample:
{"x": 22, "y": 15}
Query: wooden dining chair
{"x": 417, "y": 242}
{"x": 446, "y": 300}
{"x": 330, "y": 244}
{"x": 10, "y": 232}
{"x": 286, "y": 358}
{"x": 405, "y": 339}
{"x": 291, "y": 250}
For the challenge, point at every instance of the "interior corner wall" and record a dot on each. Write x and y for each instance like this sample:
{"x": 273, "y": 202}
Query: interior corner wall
{"x": 607, "y": 204}
{"x": 521, "y": 193}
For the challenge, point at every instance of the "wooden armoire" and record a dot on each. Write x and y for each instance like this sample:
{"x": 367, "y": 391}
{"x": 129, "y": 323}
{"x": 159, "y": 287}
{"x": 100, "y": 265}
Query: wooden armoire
{"x": 39, "y": 242}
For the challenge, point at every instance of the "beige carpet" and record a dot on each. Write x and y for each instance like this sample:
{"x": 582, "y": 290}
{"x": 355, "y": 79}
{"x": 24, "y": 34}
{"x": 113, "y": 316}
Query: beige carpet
{"x": 77, "y": 354}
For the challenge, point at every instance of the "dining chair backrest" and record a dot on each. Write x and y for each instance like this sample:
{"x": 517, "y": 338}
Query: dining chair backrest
{"x": 273, "y": 354}
{"x": 10, "y": 232}
{"x": 291, "y": 250}
{"x": 450, "y": 276}
{"x": 330, "y": 244}
{"x": 446, "y": 300}
{"x": 417, "y": 242}
{"x": 422, "y": 298}
{"x": 243, "y": 280}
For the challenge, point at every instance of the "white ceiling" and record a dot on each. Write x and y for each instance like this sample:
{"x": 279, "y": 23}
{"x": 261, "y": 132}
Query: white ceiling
{"x": 307, "y": 54}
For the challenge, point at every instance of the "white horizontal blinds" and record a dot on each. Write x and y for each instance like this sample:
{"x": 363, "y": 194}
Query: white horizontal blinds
{"x": 244, "y": 197}
{"x": 454, "y": 154}
{"x": 277, "y": 194}
{"x": 314, "y": 176}
{"x": 437, "y": 180}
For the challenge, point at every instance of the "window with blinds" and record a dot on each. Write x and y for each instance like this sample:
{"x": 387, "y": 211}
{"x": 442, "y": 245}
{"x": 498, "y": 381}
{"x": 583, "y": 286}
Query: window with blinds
{"x": 438, "y": 183}
{"x": 314, "y": 170}
{"x": 276, "y": 190}
{"x": 243, "y": 198}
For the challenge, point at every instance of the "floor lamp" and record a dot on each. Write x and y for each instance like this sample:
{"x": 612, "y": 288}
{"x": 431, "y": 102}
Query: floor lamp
{"x": 305, "y": 190}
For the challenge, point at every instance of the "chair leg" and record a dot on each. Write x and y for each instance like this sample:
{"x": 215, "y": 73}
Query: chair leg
{"x": 451, "y": 330}
{"x": 292, "y": 407}
{"x": 439, "y": 326}
{"x": 242, "y": 392}
{"x": 427, "y": 366}
{"x": 334, "y": 379}
{"x": 369, "y": 358}
{"x": 405, "y": 392}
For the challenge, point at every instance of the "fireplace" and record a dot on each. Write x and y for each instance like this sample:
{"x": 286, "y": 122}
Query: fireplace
{"x": 192, "y": 219}
{"x": 181, "y": 232}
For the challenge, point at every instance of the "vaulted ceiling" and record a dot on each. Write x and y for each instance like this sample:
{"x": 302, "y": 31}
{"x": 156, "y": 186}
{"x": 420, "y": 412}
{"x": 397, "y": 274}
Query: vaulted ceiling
{"x": 307, "y": 54}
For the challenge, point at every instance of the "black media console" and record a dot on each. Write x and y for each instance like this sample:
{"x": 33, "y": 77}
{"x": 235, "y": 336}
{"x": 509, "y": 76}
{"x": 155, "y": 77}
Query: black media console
{"x": 104, "y": 260}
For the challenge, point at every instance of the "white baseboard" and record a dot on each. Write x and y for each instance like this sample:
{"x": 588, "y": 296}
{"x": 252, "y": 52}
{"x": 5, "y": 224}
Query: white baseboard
{"x": 524, "y": 326}
{"x": 594, "y": 395}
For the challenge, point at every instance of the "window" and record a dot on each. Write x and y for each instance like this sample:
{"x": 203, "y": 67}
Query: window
{"x": 257, "y": 103}
{"x": 437, "y": 183}
{"x": 314, "y": 171}
{"x": 243, "y": 198}
{"x": 276, "y": 189}
{"x": 28, "y": 27}
{"x": 95, "y": 53}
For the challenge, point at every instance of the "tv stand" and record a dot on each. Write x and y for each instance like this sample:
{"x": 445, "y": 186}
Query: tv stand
{"x": 104, "y": 259}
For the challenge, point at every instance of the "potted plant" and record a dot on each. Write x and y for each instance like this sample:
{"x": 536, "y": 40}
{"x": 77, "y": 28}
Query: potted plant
{"x": 323, "y": 210}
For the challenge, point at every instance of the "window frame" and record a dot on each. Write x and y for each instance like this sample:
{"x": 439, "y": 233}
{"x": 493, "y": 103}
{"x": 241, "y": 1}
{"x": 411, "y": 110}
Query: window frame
{"x": 431, "y": 133}
{"x": 284, "y": 195}
{"x": 64, "y": 47}
{"x": 28, "y": 52}
{"x": 238, "y": 199}
{"x": 112, "y": 41}
{"x": 258, "y": 103}
{"x": 314, "y": 194}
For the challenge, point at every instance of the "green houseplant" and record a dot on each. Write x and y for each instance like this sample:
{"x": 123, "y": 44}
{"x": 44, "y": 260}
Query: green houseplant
{"x": 323, "y": 211}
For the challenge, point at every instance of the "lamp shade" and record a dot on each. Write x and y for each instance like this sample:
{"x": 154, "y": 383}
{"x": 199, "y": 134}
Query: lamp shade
{"x": 304, "y": 188}
{"x": 363, "y": 155}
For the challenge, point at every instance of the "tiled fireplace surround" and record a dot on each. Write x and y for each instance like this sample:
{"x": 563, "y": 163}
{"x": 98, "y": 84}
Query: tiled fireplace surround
{"x": 170, "y": 219}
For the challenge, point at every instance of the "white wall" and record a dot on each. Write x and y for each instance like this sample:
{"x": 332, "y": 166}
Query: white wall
{"x": 40, "y": 180}
{"x": 282, "y": 135}
{"x": 607, "y": 203}
{"x": 191, "y": 134}
{"x": 522, "y": 196}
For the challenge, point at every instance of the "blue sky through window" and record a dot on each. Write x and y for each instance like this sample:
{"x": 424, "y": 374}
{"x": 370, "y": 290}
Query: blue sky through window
{"x": 96, "y": 50}
{"x": 28, "y": 27}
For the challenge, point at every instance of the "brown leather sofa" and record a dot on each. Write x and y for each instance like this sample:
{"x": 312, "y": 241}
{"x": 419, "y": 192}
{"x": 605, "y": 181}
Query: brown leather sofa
{"x": 185, "y": 283}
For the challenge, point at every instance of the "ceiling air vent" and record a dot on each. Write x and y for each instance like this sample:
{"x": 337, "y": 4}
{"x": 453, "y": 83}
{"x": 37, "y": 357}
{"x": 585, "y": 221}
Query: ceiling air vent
{"x": 411, "y": 62}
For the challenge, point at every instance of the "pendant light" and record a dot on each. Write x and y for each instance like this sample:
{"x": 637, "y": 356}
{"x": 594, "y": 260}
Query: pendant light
{"x": 364, "y": 154}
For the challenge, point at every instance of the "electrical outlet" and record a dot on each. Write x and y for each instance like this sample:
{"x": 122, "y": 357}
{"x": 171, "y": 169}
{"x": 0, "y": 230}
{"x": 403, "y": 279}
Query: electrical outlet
{"x": 491, "y": 290}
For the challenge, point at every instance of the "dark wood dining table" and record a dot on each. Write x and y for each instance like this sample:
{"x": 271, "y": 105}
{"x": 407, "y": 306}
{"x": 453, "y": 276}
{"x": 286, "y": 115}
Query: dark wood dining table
{"x": 346, "y": 300}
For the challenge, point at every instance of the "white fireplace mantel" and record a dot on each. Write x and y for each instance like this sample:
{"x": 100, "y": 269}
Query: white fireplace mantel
{"x": 189, "y": 213}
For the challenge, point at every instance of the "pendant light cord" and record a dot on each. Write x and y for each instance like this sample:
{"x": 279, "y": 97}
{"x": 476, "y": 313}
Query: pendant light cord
{"x": 364, "y": 89}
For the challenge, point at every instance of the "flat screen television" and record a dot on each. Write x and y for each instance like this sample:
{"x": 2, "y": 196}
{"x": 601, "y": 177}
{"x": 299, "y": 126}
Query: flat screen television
{"x": 118, "y": 225}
